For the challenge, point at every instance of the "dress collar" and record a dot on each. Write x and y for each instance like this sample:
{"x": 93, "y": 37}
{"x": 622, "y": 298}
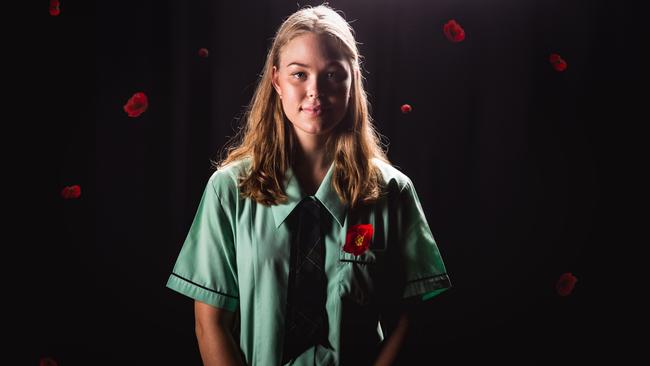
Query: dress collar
{"x": 325, "y": 194}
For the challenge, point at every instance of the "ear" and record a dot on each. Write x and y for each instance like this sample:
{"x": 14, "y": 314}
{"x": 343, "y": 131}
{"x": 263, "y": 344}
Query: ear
{"x": 275, "y": 75}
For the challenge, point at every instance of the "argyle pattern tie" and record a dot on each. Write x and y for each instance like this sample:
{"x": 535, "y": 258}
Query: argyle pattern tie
{"x": 306, "y": 320}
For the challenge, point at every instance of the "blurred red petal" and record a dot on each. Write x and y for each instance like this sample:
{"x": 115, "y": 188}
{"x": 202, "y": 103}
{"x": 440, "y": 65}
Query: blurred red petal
{"x": 47, "y": 361}
{"x": 137, "y": 104}
{"x": 406, "y": 108}
{"x": 558, "y": 63}
{"x": 203, "y": 52}
{"x": 565, "y": 284}
{"x": 453, "y": 31}
{"x": 75, "y": 191}
{"x": 560, "y": 66}
{"x": 71, "y": 192}
{"x": 54, "y": 8}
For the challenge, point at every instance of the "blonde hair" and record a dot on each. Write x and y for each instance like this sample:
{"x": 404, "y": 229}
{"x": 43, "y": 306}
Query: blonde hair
{"x": 268, "y": 138}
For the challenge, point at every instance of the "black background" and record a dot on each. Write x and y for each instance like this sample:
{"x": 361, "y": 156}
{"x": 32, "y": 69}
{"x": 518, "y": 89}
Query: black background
{"x": 522, "y": 171}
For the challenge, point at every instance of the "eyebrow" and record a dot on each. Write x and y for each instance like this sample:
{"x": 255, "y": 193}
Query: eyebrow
{"x": 337, "y": 63}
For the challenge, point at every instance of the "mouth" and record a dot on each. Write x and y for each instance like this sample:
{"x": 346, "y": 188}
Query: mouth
{"x": 315, "y": 111}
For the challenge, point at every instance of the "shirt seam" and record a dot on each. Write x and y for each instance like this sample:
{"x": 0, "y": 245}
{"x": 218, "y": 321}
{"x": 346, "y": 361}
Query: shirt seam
{"x": 413, "y": 222}
{"x": 222, "y": 210}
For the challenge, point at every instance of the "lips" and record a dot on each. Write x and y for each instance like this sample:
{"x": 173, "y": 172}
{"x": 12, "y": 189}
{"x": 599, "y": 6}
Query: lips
{"x": 313, "y": 112}
{"x": 313, "y": 109}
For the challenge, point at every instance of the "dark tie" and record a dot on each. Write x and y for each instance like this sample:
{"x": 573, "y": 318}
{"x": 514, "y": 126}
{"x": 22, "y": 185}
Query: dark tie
{"x": 306, "y": 320}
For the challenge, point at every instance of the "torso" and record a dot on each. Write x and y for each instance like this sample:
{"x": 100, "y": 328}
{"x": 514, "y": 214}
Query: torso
{"x": 261, "y": 251}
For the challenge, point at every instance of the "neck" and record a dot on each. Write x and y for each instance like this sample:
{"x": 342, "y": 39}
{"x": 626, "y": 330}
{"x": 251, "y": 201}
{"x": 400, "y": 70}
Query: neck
{"x": 312, "y": 155}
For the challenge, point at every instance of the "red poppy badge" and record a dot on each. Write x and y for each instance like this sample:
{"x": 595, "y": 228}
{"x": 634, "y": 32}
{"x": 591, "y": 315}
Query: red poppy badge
{"x": 358, "y": 238}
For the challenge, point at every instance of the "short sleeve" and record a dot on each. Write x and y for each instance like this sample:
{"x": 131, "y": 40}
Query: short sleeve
{"x": 206, "y": 268}
{"x": 426, "y": 275}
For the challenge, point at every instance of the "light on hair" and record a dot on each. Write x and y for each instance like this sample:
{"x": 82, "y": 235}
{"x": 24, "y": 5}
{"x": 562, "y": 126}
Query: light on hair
{"x": 267, "y": 138}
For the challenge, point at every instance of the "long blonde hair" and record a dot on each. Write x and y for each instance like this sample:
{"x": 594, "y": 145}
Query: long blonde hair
{"x": 269, "y": 141}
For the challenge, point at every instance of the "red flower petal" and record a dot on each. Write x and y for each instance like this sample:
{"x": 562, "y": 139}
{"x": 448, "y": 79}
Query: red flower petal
{"x": 453, "y": 31}
{"x": 406, "y": 108}
{"x": 71, "y": 192}
{"x": 75, "y": 191}
{"x": 565, "y": 284}
{"x": 357, "y": 239}
{"x": 203, "y": 52}
{"x": 560, "y": 66}
{"x": 137, "y": 104}
{"x": 558, "y": 63}
{"x": 554, "y": 57}
{"x": 54, "y": 8}
{"x": 47, "y": 361}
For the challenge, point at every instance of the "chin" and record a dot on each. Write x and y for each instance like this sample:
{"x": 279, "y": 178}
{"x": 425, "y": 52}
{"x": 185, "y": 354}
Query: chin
{"x": 310, "y": 125}
{"x": 312, "y": 131}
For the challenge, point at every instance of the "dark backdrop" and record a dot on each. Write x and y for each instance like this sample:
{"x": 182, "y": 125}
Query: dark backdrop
{"x": 513, "y": 161}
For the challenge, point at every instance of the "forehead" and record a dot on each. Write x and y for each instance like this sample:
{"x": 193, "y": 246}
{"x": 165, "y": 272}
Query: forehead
{"x": 312, "y": 51}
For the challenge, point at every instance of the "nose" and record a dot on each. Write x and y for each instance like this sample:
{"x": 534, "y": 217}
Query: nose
{"x": 315, "y": 89}
{"x": 314, "y": 93}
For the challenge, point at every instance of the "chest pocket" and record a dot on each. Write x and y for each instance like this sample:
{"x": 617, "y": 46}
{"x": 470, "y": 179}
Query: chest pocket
{"x": 359, "y": 274}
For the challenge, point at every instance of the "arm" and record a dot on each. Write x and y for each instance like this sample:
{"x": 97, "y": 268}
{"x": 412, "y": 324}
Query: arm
{"x": 393, "y": 342}
{"x": 213, "y": 332}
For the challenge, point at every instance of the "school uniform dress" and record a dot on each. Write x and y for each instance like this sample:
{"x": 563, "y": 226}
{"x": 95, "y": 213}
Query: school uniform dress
{"x": 237, "y": 253}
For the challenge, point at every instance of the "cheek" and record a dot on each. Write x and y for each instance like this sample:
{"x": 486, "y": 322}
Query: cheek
{"x": 291, "y": 94}
{"x": 291, "y": 101}
{"x": 344, "y": 93}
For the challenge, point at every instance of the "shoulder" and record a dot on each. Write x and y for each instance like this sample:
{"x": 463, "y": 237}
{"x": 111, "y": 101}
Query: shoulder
{"x": 391, "y": 175}
{"x": 225, "y": 180}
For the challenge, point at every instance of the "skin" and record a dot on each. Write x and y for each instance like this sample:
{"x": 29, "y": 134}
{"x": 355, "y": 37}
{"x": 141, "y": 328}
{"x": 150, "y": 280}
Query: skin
{"x": 326, "y": 79}
{"x": 398, "y": 329}
{"x": 213, "y": 333}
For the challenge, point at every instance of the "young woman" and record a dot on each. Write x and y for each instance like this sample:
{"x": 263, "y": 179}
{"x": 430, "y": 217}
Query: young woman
{"x": 307, "y": 242}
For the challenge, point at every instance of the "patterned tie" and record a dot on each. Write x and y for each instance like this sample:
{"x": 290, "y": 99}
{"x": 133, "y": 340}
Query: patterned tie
{"x": 306, "y": 323}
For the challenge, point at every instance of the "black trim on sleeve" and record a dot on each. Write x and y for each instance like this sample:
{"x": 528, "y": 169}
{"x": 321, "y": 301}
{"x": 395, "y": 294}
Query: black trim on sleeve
{"x": 203, "y": 287}
{"x": 428, "y": 277}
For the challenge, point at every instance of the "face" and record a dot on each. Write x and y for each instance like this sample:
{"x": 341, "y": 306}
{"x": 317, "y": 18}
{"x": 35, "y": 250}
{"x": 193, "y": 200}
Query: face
{"x": 314, "y": 80}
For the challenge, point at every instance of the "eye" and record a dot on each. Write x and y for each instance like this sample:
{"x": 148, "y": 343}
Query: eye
{"x": 302, "y": 73}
